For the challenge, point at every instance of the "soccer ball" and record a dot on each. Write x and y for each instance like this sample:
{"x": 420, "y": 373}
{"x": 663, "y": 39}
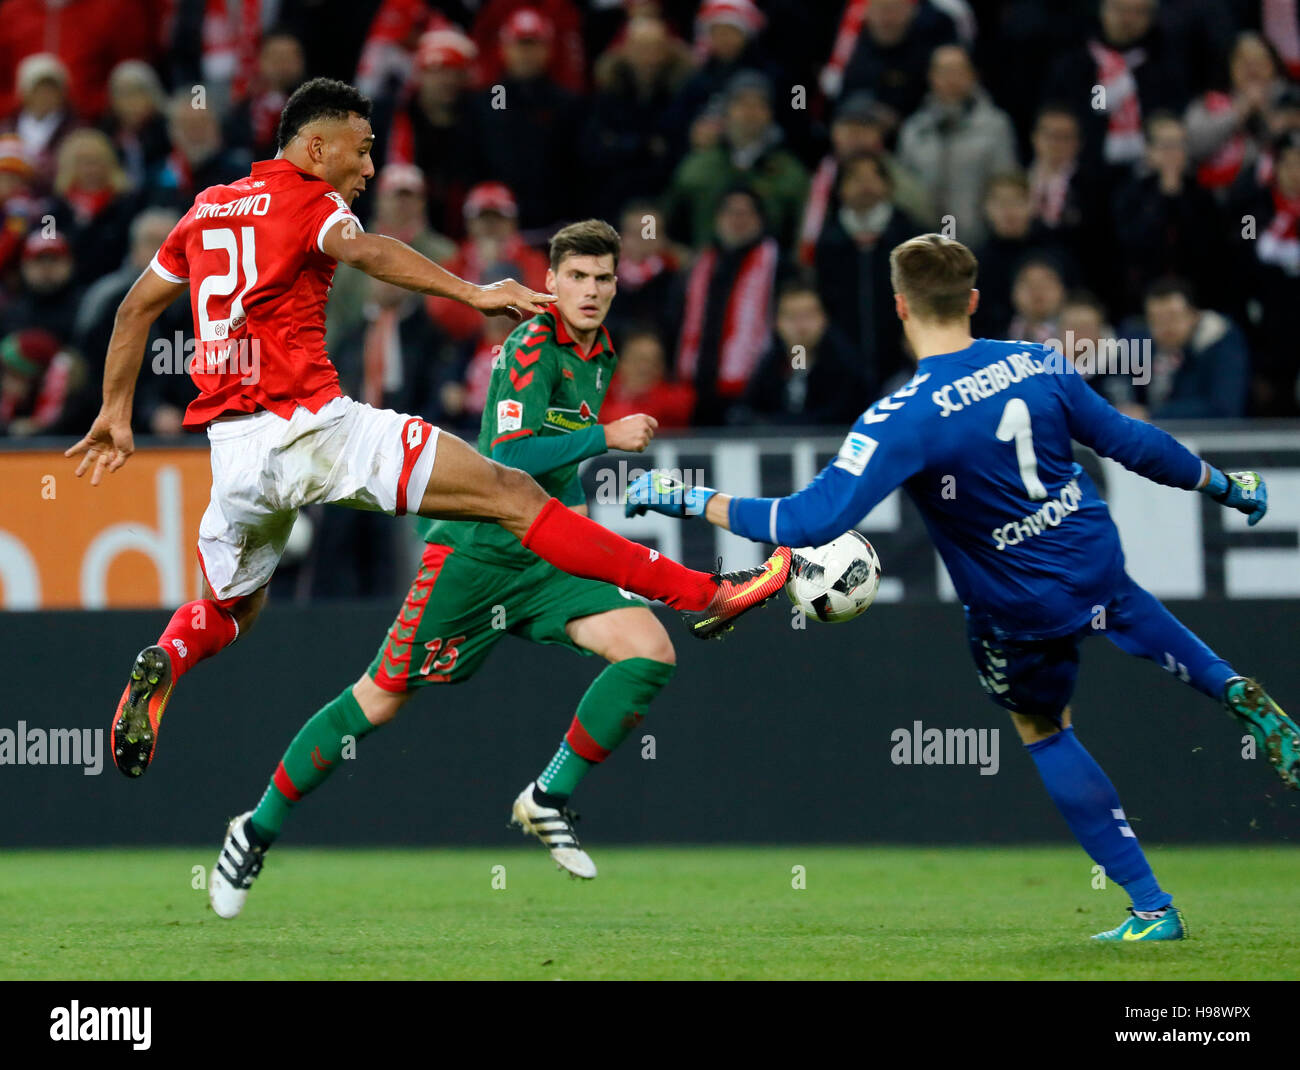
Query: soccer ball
{"x": 835, "y": 582}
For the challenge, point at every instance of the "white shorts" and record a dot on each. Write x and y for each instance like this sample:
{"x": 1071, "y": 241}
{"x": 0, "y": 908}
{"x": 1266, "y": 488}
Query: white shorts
{"x": 266, "y": 468}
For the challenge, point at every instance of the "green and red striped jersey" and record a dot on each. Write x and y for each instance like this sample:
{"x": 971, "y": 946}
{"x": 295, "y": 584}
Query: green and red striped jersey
{"x": 542, "y": 386}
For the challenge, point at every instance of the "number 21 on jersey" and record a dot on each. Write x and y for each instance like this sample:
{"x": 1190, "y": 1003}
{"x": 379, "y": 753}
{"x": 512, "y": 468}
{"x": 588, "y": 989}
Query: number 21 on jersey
{"x": 241, "y": 253}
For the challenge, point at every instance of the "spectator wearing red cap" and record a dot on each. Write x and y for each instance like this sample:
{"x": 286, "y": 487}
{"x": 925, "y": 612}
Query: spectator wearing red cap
{"x": 49, "y": 297}
{"x": 432, "y": 129}
{"x": 493, "y": 250}
{"x": 388, "y": 57}
{"x": 727, "y": 42}
{"x": 500, "y": 22}
{"x": 388, "y": 53}
{"x": 630, "y": 142}
{"x": 37, "y": 382}
{"x": 529, "y": 126}
{"x": 399, "y": 213}
{"x": 89, "y": 37}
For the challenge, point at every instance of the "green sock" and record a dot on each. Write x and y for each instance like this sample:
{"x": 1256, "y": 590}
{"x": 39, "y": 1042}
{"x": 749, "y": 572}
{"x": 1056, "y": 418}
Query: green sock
{"x": 314, "y": 753}
{"x": 614, "y": 704}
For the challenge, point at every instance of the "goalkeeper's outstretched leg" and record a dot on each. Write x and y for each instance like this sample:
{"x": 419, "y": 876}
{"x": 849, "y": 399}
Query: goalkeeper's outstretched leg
{"x": 1139, "y": 624}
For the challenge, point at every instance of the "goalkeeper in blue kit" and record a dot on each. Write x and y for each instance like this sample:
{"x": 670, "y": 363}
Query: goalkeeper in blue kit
{"x": 980, "y": 439}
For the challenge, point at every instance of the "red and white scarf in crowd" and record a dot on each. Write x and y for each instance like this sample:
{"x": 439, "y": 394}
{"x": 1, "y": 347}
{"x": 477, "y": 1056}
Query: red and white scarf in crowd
{"x": 264, "y": 115}
{"x": 478, "y": 375}
{"x": 401, "y": 138}
{"x": 846, "y": 40}
{"x": 381, "y": 357}
{"x": 1281, "y": 24}
{"x": 1279, "y": 245}
{"x": 814, "y": 214}
{"x": 232, "y": 35}
{"x": 1123, "y": 142}
{"x": 1221, "y": 169}
{"x": 1049, "y": 191}
{"x": 87, "y": 204}
{"x": 633, "y": 274}
{"x": 747, "y": 319}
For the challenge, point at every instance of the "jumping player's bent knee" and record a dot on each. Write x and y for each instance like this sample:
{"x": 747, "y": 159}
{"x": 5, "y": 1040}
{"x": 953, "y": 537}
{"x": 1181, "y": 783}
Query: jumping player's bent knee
{"x": 245, "y": 610}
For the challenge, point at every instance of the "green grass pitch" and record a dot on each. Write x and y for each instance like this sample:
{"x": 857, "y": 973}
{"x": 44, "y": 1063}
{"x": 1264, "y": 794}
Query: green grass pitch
{"x": 694, "y": 912}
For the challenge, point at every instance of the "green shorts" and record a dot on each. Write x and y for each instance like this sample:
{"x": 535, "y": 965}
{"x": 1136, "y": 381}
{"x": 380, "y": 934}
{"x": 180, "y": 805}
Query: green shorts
{"x": 459, "y": 607}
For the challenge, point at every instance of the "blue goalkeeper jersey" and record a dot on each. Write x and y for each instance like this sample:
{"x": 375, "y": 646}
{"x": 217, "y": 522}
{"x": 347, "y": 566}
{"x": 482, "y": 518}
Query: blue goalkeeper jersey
{"x": 980, "y": 440}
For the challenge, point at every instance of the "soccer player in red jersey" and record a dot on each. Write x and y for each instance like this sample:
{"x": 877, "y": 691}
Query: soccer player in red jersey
{"x": 258, "y": 256}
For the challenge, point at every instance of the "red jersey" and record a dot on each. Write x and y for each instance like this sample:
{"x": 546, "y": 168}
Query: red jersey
{"x": 259, "y": 279}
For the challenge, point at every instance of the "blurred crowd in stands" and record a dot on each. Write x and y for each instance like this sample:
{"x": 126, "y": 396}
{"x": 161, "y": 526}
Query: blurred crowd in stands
{"x": 1125, "y": 170}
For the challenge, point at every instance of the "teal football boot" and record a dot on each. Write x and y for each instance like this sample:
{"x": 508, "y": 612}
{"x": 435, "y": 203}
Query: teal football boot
{"x": 1169, "y": 927}
{"x": 1275, "y": 734}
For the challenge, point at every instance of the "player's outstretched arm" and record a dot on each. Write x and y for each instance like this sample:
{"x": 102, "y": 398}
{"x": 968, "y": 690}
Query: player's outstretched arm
{"x": 845, "y": 491}
{"x": 396, "y": 262}
{"x": 1147, "y": 450}
{"x": 109, "y": 442}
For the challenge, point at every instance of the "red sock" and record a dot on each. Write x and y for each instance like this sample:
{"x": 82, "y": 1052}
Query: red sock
{"x": 574, "y": 544}
{"x": 196, "y": 631}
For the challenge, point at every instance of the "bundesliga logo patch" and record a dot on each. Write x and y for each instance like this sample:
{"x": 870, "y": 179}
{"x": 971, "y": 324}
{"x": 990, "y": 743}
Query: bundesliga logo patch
{"x": 855, "y": 453}
{"x": 510, "y": 415}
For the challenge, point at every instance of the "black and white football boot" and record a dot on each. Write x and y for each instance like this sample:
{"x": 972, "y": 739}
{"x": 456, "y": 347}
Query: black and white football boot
{"x": 238, "y": 864}
{"x": 554, "y": 827}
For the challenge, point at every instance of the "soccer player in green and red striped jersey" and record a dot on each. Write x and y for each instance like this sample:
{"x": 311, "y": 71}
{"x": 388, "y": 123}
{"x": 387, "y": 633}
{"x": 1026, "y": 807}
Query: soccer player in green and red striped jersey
{"x": 477, "y": 583}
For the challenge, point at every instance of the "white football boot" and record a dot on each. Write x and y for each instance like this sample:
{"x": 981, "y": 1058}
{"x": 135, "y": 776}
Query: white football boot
{"x": 555, "y": 829}
{"x": 239, "y": 862}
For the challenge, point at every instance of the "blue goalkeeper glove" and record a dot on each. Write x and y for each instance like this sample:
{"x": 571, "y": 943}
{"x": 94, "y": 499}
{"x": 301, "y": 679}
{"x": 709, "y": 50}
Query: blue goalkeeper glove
{"x": 1243, "y": 491}
{"x": 657, "y": 491}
